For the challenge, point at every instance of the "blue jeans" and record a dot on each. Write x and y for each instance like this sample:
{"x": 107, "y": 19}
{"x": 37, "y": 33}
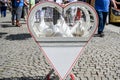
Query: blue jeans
{"x": 3, "y": 11}
{"x": 102, "y": 20}
{"x": 16, "y": 13}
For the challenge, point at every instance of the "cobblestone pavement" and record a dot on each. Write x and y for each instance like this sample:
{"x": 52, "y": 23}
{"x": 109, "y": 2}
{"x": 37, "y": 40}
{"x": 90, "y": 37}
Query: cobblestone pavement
{"x": 21, "y": 59}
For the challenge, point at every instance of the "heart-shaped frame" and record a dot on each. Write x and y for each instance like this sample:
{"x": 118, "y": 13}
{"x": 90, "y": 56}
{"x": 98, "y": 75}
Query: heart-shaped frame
{"x": 76, "y": 43}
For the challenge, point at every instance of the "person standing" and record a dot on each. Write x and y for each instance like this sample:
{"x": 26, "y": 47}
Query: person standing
{"x": 102, "y": 9}
{"x": 25, "y": 9}
{"x": 17, "y": 6}
{"x": 3, "y": 8}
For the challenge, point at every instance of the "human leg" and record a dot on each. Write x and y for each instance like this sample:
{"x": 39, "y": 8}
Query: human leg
{"x": 26, "y": 9}
{"x": 13, "y": 15}
{"x": 18, "y": 16}
{"x": 4, "y": 11}
{"x": 100, "y": 25}
{"x": 105, "y": 14}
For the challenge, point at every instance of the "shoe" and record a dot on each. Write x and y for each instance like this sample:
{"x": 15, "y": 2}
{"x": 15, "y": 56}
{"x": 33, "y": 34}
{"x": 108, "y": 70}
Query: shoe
{"x": 18, "y": 25}
{"x": 99, "y": 35}
{"x": 102, "y": 35}
{"x": 13, "y": 23}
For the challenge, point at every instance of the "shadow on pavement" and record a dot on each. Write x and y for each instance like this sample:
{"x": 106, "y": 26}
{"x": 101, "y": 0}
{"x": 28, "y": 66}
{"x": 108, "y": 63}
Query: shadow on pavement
{"x": 2, "y": 33}
{"x": 31, "y": 78}
{"x": 7, "y": 25}
{"x": 24, "y": 78}
{"x": 6, "y": 22}
{"x": 116, "y": 24}
{"x": 22, "y": 36}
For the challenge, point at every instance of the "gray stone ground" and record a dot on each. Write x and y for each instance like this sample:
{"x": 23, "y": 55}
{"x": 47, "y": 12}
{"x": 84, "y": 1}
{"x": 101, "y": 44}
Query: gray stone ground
{"x": 21, "y": 59}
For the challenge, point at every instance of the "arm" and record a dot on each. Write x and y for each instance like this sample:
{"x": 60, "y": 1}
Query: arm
{"x": 26, "y": 3}
{"x": 9, "y": 5}
{"x": 117, "y": 2}
{"x": 114, "y": 3}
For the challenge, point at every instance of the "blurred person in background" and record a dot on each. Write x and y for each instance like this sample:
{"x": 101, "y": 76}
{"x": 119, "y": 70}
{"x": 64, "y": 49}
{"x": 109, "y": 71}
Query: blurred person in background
{"x": 25, "y": 9}
{"x": 102, "y": 8}
{"x": 17, "y": 6}
{"x": 32, "y": 3}
{"x": 3, "y": 7}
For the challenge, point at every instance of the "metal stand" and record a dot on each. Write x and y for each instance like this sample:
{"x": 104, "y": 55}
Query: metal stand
{"x": 47, "y": 77}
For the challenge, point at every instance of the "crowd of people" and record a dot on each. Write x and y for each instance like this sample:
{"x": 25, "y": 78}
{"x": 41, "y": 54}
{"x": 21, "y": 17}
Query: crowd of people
{"x": 20, "y": 8}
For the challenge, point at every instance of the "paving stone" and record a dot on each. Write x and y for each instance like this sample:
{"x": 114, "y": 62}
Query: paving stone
{"x": 20, "y": 55}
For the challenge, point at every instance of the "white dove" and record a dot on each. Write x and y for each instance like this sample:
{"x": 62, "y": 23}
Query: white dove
{"x": 50, "y": 30}
{"x": 78, "y": 29}
{"x": 44, "y": 29}
{"x": 62, "y": 28}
